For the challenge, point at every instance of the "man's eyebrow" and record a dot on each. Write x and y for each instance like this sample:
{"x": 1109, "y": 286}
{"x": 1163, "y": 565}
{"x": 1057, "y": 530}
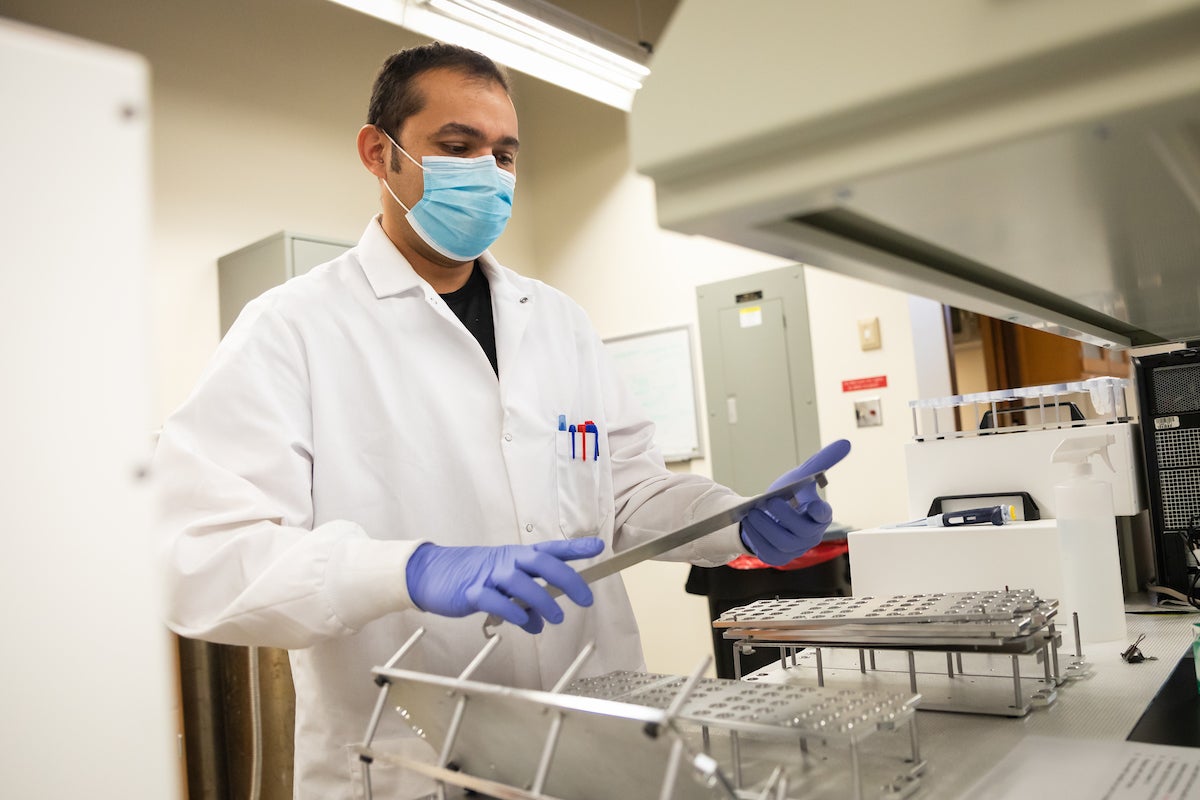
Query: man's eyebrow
{"x": 474, "y": 133}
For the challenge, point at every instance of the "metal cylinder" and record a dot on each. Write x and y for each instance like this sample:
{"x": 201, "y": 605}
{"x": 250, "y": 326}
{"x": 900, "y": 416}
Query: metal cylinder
{"x": 278, "y": 698}
{"x": 218, "y": 724}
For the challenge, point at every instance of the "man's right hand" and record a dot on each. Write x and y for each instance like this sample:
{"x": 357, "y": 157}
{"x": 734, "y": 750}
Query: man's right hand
{"x": 457, "y": 581}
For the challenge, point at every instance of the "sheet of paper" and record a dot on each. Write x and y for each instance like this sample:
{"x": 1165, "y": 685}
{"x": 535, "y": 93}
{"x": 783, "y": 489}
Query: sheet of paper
{"x": 1092, "y": 770}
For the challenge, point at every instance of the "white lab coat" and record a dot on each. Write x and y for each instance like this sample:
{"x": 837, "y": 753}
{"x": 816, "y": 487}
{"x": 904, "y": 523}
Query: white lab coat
{"x": 348, "y": 416}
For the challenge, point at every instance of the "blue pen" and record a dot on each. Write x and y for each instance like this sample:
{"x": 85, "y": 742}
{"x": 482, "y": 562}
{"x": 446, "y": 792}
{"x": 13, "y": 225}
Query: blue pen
{"x": 590, "y": 427}
{"x": 562, "y": 422}
{"x": 572, "y": 430}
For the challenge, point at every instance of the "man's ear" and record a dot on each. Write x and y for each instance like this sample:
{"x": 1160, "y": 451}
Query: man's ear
{"x": 372, "y": 150}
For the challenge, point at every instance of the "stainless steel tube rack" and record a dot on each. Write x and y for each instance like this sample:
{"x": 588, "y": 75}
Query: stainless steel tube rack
{"x": 630, "y": 735}
{"x": 918, "y": 642}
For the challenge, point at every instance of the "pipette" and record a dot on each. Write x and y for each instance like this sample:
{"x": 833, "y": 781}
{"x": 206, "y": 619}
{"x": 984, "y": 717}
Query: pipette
{"x": 996, "y": 515}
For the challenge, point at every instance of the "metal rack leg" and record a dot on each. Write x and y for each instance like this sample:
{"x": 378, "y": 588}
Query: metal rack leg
{"x": 576, "y": 665}
{"x": 688, "y": 687}
{"x": 820, "y": 668}
{"x": 856, "y": 770}
{"x": 736, "y": 745}
{"x": 913, "y": 740}
{"x": 376, "y": 715}
{"x": 1054, "y": 654}
{"x": 543, "y": 769}
{"x": 404, "y": 648}
{"x": 461, "y": 708}
{"x": 668, "y": 784}
{"x": 452, "y": 732}
{"x": 483, "y": 653}
{"x": 1018, "y": 697}
{"x": 912, "y": 672}
{"x": 772, "y": 782}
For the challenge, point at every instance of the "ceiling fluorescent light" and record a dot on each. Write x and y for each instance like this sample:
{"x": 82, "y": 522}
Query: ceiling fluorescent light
{"x": 529, "y": 36}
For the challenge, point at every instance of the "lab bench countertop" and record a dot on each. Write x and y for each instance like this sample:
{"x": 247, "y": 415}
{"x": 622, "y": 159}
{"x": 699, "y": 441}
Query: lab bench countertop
{"x": 1107, "y": 705}
{"x": 1152, "y": 701}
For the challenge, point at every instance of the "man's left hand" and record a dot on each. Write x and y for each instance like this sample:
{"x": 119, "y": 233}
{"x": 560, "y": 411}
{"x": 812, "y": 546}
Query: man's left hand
{"x": 778, "y": 531}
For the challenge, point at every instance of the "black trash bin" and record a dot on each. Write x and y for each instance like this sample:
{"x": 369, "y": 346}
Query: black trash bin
{"x": 729, "y": 587}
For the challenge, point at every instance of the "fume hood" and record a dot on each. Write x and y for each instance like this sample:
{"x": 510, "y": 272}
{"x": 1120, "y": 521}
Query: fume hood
{"x": 1036, "y": 162}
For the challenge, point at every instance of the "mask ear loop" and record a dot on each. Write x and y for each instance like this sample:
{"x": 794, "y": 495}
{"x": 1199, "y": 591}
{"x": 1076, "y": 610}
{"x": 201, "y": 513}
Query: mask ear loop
{"x": 406, "y": 155}
{"x": 393, "y": 194}
{"x": 401, "y": 149}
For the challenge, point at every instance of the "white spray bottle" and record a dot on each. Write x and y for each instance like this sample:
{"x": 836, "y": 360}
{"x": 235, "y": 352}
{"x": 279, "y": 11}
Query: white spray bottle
{"x": 1087, "y": 532}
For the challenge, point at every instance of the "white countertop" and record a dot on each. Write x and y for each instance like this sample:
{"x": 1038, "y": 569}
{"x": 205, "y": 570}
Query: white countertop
{"x": 960, "y": 748}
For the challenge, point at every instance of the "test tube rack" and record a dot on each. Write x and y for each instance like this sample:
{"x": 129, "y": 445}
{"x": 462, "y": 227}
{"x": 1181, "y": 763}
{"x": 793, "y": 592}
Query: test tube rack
{"x": 1041, "y": 407}
{"x": 630, "y": 735}
{"x": 916, "y": 640}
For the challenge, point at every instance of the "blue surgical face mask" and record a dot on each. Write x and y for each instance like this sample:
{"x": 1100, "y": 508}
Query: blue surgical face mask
{"x": 466, "y": 204}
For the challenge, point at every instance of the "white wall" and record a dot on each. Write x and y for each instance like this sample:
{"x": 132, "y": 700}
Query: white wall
{"x": 871, "y": 487}
{"x": 256, "y": 106}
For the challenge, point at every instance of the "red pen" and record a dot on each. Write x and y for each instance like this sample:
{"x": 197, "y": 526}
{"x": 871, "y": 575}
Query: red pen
{"x": 590, "y": 427}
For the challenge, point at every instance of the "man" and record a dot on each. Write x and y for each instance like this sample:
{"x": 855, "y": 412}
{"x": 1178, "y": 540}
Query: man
{"x": 412, "y": 433}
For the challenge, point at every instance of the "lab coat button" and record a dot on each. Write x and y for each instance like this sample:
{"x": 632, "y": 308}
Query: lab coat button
{"x": 508, "y": 437}
{"x": 524, "y": 299}
{"x": 529, "y": 528}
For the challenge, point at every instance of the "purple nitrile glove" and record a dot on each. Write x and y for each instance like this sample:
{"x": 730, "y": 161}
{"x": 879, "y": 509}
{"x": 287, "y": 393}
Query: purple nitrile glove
{"x": 778, "y": 532}
{"x": 457, "y": 581}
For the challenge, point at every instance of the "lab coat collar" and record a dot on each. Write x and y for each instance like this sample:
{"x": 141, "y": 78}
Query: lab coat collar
{"x": 389, "y": 273}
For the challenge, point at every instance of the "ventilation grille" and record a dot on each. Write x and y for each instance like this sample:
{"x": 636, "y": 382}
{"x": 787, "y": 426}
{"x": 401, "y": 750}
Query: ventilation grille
{"x": 1176, "y": 389}
{"x": 1179, "y": 475}
{"x": 1178, "y": 448}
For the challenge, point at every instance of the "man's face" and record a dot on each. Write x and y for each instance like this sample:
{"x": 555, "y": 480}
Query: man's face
{"x": 463, "y": 117}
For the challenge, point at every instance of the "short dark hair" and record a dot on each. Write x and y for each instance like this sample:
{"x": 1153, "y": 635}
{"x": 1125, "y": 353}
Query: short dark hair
{"x": 394, "y": 98}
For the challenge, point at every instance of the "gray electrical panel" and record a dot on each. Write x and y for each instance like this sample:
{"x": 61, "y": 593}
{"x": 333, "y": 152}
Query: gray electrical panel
{"x": 758, "y": 377}
{"x": 246, "y": 273}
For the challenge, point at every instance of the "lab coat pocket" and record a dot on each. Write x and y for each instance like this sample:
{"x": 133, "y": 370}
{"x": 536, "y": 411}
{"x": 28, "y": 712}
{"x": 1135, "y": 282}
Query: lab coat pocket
{"x": 578, "y": 466}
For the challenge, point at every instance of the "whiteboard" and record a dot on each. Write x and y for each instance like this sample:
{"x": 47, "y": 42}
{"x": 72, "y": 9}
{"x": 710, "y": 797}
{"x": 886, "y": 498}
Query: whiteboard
{"x": 657, "y": 369}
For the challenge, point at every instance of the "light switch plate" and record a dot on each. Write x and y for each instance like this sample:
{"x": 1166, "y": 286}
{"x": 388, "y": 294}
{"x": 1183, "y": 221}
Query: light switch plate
{"x": 869, "y": 412}
{"x": 868, "y": 334}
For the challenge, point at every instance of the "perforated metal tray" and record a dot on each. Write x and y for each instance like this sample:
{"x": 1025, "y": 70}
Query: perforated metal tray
{"x": 773, "y": 710}
{"x": 1019, "y": 607}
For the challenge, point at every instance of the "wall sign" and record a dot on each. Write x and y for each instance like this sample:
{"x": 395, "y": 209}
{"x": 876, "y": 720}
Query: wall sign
{"x": 858, "y": 384}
